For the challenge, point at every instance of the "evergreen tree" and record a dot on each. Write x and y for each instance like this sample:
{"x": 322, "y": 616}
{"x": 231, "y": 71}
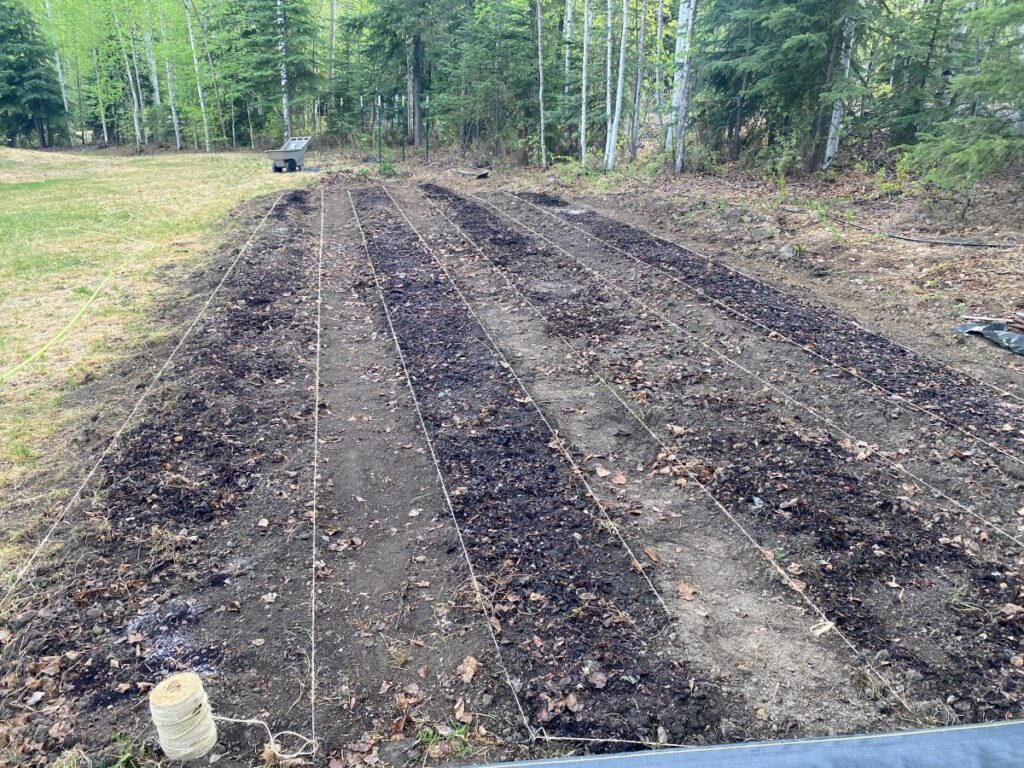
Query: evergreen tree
{"x": 781, "y": 85}
{"x": 983, "y": 133}
{"x": 30, "y": 99}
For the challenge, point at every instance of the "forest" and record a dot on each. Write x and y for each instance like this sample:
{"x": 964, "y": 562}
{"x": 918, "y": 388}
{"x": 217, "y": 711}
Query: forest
{"x": 929, "y": 86}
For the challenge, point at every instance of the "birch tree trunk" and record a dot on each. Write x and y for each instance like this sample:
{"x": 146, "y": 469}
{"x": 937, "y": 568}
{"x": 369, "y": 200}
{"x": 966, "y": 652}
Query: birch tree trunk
{"x": 199, "y": 80}
{"x": 681, "y": 77}
{"x": 154, "y": 82}
{"x": 568, "y": 42}
{"x": 634, "y": 127}
{"x": 252, "y": 133}
{"x": 540, "y": 89}
{"x": 175, "y": 122}
{"x": 583, "y": 86}
{"x": 138, "y": 86}
{"x": 417, "y": 90}
{"x": 464, "y": 124}
{"x": 832, "y": 146}
{"x": 608, "y": 21}
{"x": 282, "y": 50}
{"x": 218, "y": 100}
{"x": 332, "y": 20}
{"x": 659, "y": 86}
{"x": 613, "y": 136}
{"x": 60, "y": 76}
{"x": 136, "y": 107}
{"x": 99, "y": 95}
{"x": 814, "y": 151}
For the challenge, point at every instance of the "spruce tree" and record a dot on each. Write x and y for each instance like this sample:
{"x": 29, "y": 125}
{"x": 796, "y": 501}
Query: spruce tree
{"x": 29, "y": 94}
{"x": 983, "y": 133}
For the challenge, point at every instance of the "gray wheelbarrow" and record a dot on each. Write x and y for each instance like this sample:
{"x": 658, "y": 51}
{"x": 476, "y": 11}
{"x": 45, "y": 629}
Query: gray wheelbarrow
{"x": 289, "y": 157}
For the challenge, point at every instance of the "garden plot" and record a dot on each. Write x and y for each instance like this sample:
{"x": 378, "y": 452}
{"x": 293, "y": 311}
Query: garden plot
{"x": 981, "y": 412}
{"x": 878, "y": 562}
{"x": 561, "y": 504}
{"x": 185, "y": 551}
{"x": 578, "y": 624}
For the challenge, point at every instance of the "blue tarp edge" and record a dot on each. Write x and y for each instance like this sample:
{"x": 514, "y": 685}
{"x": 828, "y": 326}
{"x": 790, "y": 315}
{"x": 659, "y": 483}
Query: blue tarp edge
{"x": 990, "y": 745}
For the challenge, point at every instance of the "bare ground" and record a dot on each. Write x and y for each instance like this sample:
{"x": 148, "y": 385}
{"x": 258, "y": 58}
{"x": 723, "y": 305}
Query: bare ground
{"x": 656, "y": 521}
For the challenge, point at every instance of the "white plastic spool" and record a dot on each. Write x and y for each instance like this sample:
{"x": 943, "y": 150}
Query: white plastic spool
{"x": 182, "y": 716}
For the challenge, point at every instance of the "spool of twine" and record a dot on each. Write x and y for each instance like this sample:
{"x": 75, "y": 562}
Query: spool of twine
{"x": 183, "y": 718}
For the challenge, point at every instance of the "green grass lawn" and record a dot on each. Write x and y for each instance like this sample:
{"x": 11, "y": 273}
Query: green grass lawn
{"x": 83, "y": 237}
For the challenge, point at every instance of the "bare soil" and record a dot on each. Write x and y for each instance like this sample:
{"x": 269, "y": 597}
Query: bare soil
{"x": 578, "y": 488}
{"x": 825, "y": 241}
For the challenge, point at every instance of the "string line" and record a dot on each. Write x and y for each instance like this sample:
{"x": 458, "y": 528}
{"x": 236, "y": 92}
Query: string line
{"x": 782, "y": 393}
{"x": 483, "y": 601}
{"x": 763, "y": 551}
{"x": 135, "y": 409}
{"x": 900, "y": 401}
{"x": 670, "y": 241}
{"x": 316, "y": 471}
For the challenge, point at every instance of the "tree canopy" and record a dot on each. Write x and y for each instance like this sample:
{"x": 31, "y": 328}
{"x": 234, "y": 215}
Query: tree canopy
{"x": 30, "y": 102}
{"x": 781, "y": 85}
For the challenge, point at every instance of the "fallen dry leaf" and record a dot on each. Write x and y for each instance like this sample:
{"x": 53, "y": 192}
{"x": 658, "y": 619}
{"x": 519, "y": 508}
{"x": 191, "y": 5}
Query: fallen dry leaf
{"x": 686, "y": 591}
{"x": 572, "y": 703}
{"x": 651, "y": 553}
{"x": 461, "y": 714}
{"x": 601, "y": 471}
{"x": 439, "y": 749}
{"x": 467, "y": 669}
{"x": 598, "y": 679}
{"x": 619, "y": 479}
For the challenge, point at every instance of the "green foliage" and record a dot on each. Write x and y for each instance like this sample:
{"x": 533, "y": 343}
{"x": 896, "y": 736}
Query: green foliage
{"x": 957, "y": 153}
{"x": 29, "y": 97}
{"x": 941, "y": 78}
{"x": 983, "y": 131}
